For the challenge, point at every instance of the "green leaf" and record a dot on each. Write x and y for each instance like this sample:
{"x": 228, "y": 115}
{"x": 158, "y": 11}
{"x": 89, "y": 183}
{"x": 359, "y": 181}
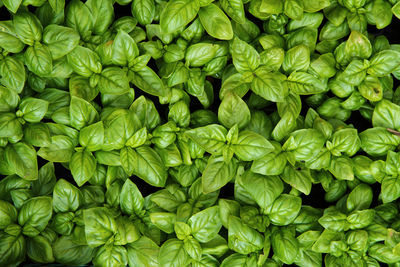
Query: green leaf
{"x": 303, "y": 83}
{"x": 263, "y": 189}
{"x": 269, "y": 85}
{"x": 245, "y": 57}
{"x": 211, "y": 138}
{"x": 342, "y": 168}
{"x": 22, "y": 160}
{"x": 35, "y": 215}
{"x": 83, "y": 166}
{"x": 371, "y": 89}
{"x": 234, "y": 84}
{"x": 127, "y": 158}
{"x": 355, "y": 72}
{"x": 113, "y": 80}
{"x": 215, "y": 22}
{"x": 13, "y": 74}
{"x": 180, "y": 114}
{"x": 8, "y": 214}
{"x": 271, "y": 6}
{"x": 13, "y": 249}
{"x": 92, "y": 137}
{"x": 205, "y": 224}
{"x": 9, "y": 41}
{"x": 304, "y": 143}
{"x": 66, "y": 197}
{"x": 251, "y": 146}
{"x": 143, "y": 252}
{"x": 10, "y": 126}
{"x": 233, "y": 110}
{"x": 217, "y": 173}
{"x": 291, "y": 105}
{"x": 234, "y": 9}
{"x": 360, "y": 198}
{"x": 322, "y": 245}
{"x": 299, "y": 179}
{"x": 119, "y": 127}
{"x": 61, "y": 149}
{"x": 124, "y": 49}
{"x": 33, "y": 109}
{"x": 334, "y": 220}
{"x": 383, "y": 253}
{"x": 148, "y": 81}
{"x": 84, "y": 61}
{"x": 390, "y": 189}
{"x": 381, "y": 13}
{"x": 144, "y": 11}
{"x": 66, "y": 251}
{"x": 103, "y": 14}
{"x": 79, "y": 17}
{"x": 384, "y": 63}
{"x": 12, "y": 5}
{"x": 182, "y": 230}
{"x": 193, "y": 248}
{"x": 284, "y": 209}
{"x": 242, "y": 238}
{"x": 396, "y": 10}
{"x": 235, "y": 259}
{"x": 37, "y": 134}
{"x": 272, "y": 58}
{"x": 27, "y": 27}
{"x": 200, "y": 54}
{"x": 110, "y": 158}
{"x": 9, "y": 99}
{"x": 294, "y": 9}
{"x": 164, "y": 221}
{"x": 39, "y": 249}
{"x": 358, "y": 46}
{"x": 296, "y": 59}
{"x": 149, "y": 166}
{"x": 177, "y": 14}
{"x": 82, "y": 113}
{"x": 131, "y": 200}
{"x": 272, "y": 163}
{"x": 138, "y": 138}
{"x": 344, "y": 141}
{"x": 173, "y": 254}
{"x": 386, "y": 114}
{"x": 57, "y": 5}
{"x": 358, "y": 240}
{"x": 392, "y": 164}
{"x": 284, "y": 245}
{"x": 60, "y": 40}
{"x": 38, "y": 59}
{"x": 324, "y": 66}
{"x": 377, "y": 141}
{"x": 111, "y": 256}
{"x": 100, "y": 226}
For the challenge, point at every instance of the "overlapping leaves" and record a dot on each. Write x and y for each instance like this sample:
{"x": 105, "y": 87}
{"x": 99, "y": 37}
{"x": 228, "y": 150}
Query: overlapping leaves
{"x": 193, "y": 133}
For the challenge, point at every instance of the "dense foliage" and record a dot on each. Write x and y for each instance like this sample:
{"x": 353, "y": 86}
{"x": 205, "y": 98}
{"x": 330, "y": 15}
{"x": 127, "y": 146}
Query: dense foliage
{"x": 191, "y": 133}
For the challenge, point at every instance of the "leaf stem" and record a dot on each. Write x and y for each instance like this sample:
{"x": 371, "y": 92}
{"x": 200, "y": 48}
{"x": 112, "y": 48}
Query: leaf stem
{"x": 393, "y": 131}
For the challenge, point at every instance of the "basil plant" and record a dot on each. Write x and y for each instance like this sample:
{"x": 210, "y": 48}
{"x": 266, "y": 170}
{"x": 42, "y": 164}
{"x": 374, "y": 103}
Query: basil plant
{"x": 199, "y": 133}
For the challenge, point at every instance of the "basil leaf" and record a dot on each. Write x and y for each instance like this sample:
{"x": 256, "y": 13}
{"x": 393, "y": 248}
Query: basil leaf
{"x": 177, "y": 14}
{"x": 215, "y": 22}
